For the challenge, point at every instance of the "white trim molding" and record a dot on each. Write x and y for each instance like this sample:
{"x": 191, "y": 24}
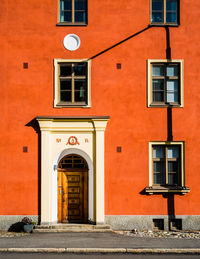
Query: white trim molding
{"x": 55, "y": 132}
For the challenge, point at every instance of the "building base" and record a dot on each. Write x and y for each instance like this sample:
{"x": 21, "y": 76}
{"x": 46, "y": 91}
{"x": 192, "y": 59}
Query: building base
{"x": 151, "y": 222}
{"x": 124, "y": 222}
{"x": 7, "y": 220}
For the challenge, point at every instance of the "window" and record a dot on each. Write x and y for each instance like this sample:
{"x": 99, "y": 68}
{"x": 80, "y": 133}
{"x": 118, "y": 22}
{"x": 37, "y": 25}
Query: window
{"x": 166, "y": 167}
{"x": 158, "y": 224}
{"x": 73, "y": 162}
{"x": 165, "y": 83}
{"x": 175, "y": 224}
{"x": 164, "y": 12}
{"x": 73, "y": 12}
{"x": 72, "y": 84}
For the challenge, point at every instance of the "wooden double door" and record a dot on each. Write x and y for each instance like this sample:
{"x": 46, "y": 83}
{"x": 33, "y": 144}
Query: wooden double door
{"x": 72, "y": 196}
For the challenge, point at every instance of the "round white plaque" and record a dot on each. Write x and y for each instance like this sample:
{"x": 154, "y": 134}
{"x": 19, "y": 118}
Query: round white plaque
{"x": 71, "y": 42}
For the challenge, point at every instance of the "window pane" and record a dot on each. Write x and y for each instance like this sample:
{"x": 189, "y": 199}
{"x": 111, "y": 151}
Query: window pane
{"x": 172, "y": 179}
{"x": 171, "y": 5}
{"x": 172, "y": 91}
{"x": 173, "y": 152}
{"x": 80, "y": 96}
{"x": 158, "y": 84}
{"x": 171, "y": 17}
{"x": 66, "y": 16}
{"x": 158, "y": 151}
{"x": 172, "y": 167}
{"x": 80, "y": 16}
{"x": 157, "y": 17}
{"x": 80, "y": 69}
{"x": 172, "y": 97}
{"x": 157, "y": 5}
{"x": 65, "y": 96}
{"x": 172, "y": 85}
{"x": 61, "y": 5}
{"x": 172, "y": 172}
{"x": 159, "y": 173}
{"x": 158, "y": 96}
{"x": 62, "y": 18}
{"x": 65, "y": 5}
{"x": 65, "y": 85}
{"x": 66, "y": 70}
{"x": 158, "y": 70}
{"x": 158, "y": 90}
{"x": 80, "y": 91}
{"x": 80, "y": 4}
{"x": 80, "y": 85}
{"x": 172, "y": 71}
{"x": 65, "y": 11}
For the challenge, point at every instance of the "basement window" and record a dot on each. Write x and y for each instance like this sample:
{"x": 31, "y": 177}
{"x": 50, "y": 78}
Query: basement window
{"x": 158, "y": 224}
{"x": 175, "y": 224}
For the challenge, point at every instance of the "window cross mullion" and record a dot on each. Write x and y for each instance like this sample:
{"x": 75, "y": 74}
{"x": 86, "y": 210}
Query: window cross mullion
{"x": 164, "y": 9}
{"x": 73, "y": 11}
{"x": 73, "y": 86}
{"x": 166, "y": 161}
{"x": 165, "y": 84}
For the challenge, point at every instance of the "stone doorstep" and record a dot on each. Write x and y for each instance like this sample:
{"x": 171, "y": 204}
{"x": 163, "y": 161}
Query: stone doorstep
{"x": 72, "y": 228}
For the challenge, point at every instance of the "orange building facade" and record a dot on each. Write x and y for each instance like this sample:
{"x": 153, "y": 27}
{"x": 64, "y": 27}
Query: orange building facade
{"x": 100, "y": 113}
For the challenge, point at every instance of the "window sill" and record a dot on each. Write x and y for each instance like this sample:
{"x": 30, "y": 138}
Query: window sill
{"x": 165, "y": 105}
{"x": 68, "y": 105}
{"x": 164, "y": 25}
{"x": 167, "y": 189}
{"x": 70, "y": 24}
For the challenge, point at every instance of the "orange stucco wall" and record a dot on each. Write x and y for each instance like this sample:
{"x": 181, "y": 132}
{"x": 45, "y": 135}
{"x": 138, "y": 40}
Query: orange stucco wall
{"x": 29, "y": 34}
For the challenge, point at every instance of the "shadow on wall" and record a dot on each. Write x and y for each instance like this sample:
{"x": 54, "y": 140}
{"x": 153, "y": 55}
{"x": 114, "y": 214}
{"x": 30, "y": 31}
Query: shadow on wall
{"x": 170, "y": 206}
{"x": 120, "y": 42}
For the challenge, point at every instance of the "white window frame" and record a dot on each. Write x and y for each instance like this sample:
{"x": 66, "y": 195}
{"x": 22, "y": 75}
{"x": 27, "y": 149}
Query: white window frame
{"x": 149, "y": 81}
{"x": 57, "y": 103}
{"x": 164, "y": 15}
{"x": 182, "y": 159}
{"x": 73, "y": 23}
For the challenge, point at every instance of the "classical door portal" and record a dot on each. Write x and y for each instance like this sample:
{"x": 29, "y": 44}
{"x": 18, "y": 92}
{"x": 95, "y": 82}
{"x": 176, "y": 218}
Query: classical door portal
{"x": 72, "y": 190}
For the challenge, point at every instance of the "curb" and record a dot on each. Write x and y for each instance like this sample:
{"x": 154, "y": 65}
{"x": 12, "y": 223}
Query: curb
{"x": 104, "y": 250}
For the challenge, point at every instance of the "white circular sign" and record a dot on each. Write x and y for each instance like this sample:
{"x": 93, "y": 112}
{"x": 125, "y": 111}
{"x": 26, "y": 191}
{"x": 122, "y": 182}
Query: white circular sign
{"x": 71, "y": 42}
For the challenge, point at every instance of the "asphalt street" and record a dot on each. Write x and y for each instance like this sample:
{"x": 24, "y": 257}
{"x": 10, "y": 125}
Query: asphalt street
{"x": 91, "y": 256}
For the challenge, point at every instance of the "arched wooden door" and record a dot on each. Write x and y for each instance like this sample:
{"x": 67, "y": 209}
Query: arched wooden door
{"x": 72, "y": 190}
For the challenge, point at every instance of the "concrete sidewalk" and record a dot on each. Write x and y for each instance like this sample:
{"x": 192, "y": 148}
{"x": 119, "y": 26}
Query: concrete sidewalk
{"x": 97, "y": 242}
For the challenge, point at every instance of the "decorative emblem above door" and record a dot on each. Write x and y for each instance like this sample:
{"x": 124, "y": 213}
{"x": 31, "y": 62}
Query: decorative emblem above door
{"x": 72, "y": 141}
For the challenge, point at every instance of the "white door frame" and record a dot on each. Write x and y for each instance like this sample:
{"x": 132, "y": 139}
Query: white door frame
{"x": 54, "y": 134}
